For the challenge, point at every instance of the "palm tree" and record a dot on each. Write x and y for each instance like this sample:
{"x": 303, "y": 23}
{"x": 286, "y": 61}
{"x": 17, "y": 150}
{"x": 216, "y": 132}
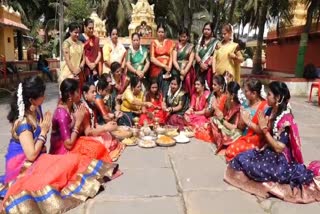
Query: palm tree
{"x": 313, "y": 12}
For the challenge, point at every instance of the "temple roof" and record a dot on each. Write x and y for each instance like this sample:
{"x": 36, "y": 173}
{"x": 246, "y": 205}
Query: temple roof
{"x": 11, "y": 18}
{"x": 13, "y": 24}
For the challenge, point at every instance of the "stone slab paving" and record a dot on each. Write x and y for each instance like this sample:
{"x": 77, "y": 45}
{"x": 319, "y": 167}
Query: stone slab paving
{"x": 185, "y": 179}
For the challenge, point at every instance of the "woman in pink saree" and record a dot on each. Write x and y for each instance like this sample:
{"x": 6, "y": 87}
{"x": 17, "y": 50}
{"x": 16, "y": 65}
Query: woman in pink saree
{"x": 277, "y": 169}
{"x": 195, "y": 115}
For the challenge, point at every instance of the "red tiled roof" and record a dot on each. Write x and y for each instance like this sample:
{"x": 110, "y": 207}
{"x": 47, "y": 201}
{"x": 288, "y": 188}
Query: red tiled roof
{"x": 10, "y": 23}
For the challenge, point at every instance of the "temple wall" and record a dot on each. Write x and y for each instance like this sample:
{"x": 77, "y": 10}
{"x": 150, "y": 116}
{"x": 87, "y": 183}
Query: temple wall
{"x": 7, "y": 43}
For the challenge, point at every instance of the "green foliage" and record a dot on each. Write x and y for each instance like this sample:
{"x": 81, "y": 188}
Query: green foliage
{"x": 77, "y": 10}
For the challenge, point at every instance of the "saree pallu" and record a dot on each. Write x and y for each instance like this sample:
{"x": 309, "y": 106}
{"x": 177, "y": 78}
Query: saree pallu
{"x": 250, "y": 141}
{"x": 137, "y": 59}
{"x": 56, "y": 183}
{"x": 205, "y": 53}
{"x": 91, "y": 51}
{"x": 315, "y": 167}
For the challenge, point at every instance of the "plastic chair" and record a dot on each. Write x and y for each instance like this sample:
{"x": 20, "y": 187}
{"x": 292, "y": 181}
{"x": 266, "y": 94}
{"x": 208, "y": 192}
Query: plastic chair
{"x": 317, "y": 86}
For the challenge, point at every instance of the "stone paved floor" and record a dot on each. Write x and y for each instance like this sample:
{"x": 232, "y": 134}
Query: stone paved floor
{"x": 185, "y": 179}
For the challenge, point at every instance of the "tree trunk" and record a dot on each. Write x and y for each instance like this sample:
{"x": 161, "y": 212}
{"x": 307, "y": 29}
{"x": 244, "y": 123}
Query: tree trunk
{"x": 19, "y": 42}
{"x": 257, "y": 60}
{"x": 127, "y": 8}
{"x": 231, "y": 12}
{"x": 304, "y": 39}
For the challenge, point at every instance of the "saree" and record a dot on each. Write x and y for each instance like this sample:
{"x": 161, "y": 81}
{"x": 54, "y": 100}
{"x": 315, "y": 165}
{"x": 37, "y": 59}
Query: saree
{"x": 91, "y": 51}
{"x": 130, "y": 111}
{"x": 222, "y": 136}
{"x": 102, "y": 110}
{"x": 75, "y": 50}
{"x": 267, "y": 173}
{"x": 205, "y": 52}
{"x": 173, "y": 100}
{"x": 162, "y": 53}
{"x": 62, "y": 125}
{"x": 224, "y": 63}
{"x": 154, "y": 113}
{"x": 60, "y": 180}
{"x": 112, "y": 53}
{"x": 137, "y": 59}
{"x": 250, "y": 141}
{"x": 204, "y": 132}
{"x": 198, "y": 103}
{"x": 183, "y": 55}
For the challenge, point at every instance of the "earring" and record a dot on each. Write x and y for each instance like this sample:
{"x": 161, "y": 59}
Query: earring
{"x": 32, "y": 108}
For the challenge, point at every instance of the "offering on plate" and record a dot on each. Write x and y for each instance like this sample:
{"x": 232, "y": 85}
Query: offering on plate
{"x": 130, "y": 141}
{"x": 171, "y": 131}
{"x": 165, "y": 141}
{"x": 181, "y": 138}
{"x": 147, "y": 142}
{"x": 121, "y": 134}
{"x": 160, "y": 130}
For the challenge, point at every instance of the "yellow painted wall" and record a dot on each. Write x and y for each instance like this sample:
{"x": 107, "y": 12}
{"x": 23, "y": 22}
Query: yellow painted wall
{"x": 7, "y": 43}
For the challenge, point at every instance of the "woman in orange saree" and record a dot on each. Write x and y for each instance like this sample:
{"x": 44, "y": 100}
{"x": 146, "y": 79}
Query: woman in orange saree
{"x": 155, "y": 112}
{"x": 37, "y": 182}
{"x": 161, "y": 59}
{"x": 255, "y": 94}
{"x": 216, "y": 100}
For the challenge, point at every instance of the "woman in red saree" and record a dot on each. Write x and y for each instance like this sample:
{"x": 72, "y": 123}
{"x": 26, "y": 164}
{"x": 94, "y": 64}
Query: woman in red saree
{"x": 161, "y": 59}
{"x": 149, "y": 114}
{"x": 216, "y": 100}
{"x": 195, "y": 115}
{"x": 91, "y": 51}
{"x": 255, "y": 94}
{"x": 224, "y": 124}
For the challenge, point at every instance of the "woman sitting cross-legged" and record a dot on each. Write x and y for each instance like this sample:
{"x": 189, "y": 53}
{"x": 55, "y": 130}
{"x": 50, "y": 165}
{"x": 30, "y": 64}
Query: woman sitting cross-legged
{"x": 34, "y": 181}
{"x": 224, "y": 123}
{"x": 176, "y": 103}
{"x": 66, "y": 123}
{"x": 132, "y": 102}
{"x": 276, "y": 169}
{"x": 94, "y": 131}
{"x": 155, "y": 112}
{"x": 195, "y": 115}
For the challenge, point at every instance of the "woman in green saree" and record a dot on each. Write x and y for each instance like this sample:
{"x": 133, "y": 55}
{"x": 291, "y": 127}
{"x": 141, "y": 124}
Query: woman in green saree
{"x": 204, "y": 51}
{"x": 183, "y": 56}
{"x": 137, "y": 58}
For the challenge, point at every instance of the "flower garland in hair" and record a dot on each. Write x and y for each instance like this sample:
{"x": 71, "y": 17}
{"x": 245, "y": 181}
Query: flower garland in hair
{"x": 241, "y": 97}
{"x": 91, "y": 114}
{"x": 20, "y": 103}
{"x": 277, "y": 120}
{"x": 263, "y": 93}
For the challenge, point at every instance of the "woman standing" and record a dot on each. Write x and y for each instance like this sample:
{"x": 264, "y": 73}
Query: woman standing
{"x": 176, "y": 103}
{"x": 74, "y": 59}
{"x": 204, "y": 51}
{"x": 91, "y": 51}
{"x": 228, "y": 56}
{"x": 255, "y": 94}
{"x": 277, "y": 169}
{"x": 183, "y": 56}
{"x": 161, "y": 59}
{"x": 113, "y": 51}
{"x": 137, "y": 58}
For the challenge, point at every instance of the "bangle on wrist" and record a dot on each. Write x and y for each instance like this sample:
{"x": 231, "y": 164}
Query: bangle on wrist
{"x": 42, "y": 139}
{"x": 75, "y": 130}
